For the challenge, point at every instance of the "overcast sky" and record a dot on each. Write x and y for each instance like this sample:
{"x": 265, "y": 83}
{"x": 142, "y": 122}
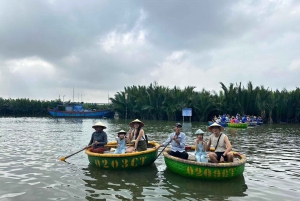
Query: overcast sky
{"x": 47, "y": 47}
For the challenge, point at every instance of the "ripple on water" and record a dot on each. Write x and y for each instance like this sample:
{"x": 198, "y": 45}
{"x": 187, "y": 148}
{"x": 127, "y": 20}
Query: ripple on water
{"x": 30, "y": 169}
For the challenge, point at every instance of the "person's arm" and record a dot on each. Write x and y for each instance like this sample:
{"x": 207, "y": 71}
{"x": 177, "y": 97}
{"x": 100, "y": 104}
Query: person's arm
{"x": 138, "y": 138}
{"x": 228, "y": 146}
{"x": 92, "y": 139}
{"x": 182, "y": 142}
{"x": 196, "y": 145}
{"x": 204, "y": 145}
{"x": 131, "y": 133}
{"x": 208, "y": 145}
{"x": 167, "y": 141}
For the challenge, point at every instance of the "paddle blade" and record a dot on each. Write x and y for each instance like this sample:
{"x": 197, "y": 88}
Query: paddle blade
{"x": 63, "y": 159}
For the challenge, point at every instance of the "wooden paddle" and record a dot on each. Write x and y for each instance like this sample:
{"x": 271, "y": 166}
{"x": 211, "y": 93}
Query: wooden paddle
{"x": 163, "y": 149}
{"x": 64, "y": 158}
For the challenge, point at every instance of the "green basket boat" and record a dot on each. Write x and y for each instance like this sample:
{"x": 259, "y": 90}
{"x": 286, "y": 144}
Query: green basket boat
{"x": 237, "y": 125}
{"x": 209, "y": 171}
{"x": 112, "y": 161}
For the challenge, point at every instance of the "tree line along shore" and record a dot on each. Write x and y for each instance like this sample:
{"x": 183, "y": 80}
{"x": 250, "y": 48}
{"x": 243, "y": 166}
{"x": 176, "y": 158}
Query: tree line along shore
{"x": 155, "y": 102}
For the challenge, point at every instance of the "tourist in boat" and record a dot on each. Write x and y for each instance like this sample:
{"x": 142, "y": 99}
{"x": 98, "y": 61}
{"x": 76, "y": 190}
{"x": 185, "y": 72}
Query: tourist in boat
{"x": 99, "y": 138}
{"x": 138, "y": 135}
{"x": 227, "y": 118}
{"x": 258, "y": 119}
{"x": 121, "y": 139}
{"x": 221, "y": 143}
{"x": 200, "y": 147}
{"x": 244, "y": 119}
{"x": 177, "y": 140}
{"x": 232, "y": 119}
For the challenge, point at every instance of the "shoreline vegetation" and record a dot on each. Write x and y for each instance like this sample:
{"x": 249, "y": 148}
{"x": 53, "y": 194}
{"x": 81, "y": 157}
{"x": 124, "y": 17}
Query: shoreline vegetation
{"x": 155, "y": 102}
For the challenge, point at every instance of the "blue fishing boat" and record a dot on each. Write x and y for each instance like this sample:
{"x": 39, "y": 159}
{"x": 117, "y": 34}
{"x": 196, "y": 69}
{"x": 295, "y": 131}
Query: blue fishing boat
{"x": 77, "y": 110}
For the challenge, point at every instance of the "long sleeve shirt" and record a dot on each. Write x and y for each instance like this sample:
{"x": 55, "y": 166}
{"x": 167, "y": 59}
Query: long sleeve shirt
{"x": 100, "y": 137}
{"x": 174, "y": 145}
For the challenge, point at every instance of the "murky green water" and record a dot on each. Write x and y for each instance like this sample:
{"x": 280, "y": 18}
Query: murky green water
{"x": 30, "y": 169}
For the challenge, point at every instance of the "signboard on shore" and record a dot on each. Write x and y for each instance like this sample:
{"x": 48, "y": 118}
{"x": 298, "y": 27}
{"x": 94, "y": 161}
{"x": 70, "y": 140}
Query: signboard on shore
{"x": 187, "y": 112}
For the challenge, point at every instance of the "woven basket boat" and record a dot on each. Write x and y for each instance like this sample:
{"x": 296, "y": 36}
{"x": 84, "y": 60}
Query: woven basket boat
{"x": 238, "y": 125}
{"x": 201, "y": 170}
{"x": 112, "y": 161}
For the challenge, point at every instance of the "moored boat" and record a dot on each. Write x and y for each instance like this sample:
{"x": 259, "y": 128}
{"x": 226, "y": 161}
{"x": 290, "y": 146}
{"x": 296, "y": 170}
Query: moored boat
{"x": 221, "y": 124}
{"x": 112, "y": 161}
{"x": 238, "y": 125}
{"x": 77, "y": 110}
{"x": 209, "y": 171}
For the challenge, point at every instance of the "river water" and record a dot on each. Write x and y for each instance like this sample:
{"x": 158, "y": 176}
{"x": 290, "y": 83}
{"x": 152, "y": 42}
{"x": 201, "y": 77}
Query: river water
{"x": 30, "y": 168}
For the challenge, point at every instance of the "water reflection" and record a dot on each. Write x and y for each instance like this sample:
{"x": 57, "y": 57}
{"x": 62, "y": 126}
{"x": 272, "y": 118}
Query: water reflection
{"x": 124, "y": 185}
{"x": 218, "y": 190}
{"x": 29, "y": 163}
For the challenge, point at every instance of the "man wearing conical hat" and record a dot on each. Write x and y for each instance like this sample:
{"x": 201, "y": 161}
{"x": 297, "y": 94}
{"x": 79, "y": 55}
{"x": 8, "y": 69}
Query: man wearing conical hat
{"x": 99, "y": 138}
{"x": 220, "y": 142}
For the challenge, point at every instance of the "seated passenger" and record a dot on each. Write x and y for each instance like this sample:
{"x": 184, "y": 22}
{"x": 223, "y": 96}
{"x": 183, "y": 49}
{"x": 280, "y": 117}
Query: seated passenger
{"x": 121, "y": 140}
{"x": 221, "y": 144}
{"x": 200, "y": 147}
{"x": 177, "y": 140}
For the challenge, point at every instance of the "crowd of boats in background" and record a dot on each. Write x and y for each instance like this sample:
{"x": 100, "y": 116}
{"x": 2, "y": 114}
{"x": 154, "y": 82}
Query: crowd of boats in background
{"x": 237, "y": 121}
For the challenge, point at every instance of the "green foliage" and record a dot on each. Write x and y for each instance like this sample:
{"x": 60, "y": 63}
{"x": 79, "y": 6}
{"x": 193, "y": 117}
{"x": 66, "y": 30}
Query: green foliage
{"x": 162, "y": 103}
{"x": 25, "y": 107}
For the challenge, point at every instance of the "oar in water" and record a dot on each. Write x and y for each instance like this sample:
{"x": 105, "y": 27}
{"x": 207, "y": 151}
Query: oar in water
{"x": 163, "y": 149}
{"x": 64, "y": 158}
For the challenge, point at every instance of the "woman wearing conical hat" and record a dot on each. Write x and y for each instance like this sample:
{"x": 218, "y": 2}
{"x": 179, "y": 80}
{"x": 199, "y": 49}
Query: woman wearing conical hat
{"x": 138, "y": 135}
{"x": 221, "y": 144}
{"x": 99, "y": 138}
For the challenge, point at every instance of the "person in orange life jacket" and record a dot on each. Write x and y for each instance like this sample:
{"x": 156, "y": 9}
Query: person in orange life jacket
{"x": 221, "y": 143}
{"x": 139, "y": 136}
{"x": 99, "y": 138}
{"x": 177, "y": 140}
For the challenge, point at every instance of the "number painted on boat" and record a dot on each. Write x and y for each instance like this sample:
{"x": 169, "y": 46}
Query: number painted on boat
{"x": 124, "y": 163}
{"x": 114, "y": 164}
{"x": 198, "y": 172}
{"x": 217, "y": 173}
{"x": 190, "y": 170}
{"x": 208, "y": 173}
{"x": 97, "y": 162}
{"x": 105, "y": 163}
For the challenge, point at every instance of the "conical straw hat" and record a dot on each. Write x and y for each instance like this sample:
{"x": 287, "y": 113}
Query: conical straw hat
{"x": 99, "y": 124}
{"x": 199, "y": 131}
{"x": 215, "y": 125}
{"x": 122, "y": 132}
{"x": 136, "y": 121}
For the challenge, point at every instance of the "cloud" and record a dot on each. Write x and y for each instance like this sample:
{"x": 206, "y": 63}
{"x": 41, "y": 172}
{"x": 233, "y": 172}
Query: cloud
{"x": 99, "y": 47}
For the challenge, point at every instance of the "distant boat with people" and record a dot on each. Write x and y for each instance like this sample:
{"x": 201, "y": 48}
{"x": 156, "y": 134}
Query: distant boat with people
{"x": 77, "y": 110}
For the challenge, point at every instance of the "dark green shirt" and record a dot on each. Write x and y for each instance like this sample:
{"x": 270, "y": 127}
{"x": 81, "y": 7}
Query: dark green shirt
{"x": 100, "y": 137}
